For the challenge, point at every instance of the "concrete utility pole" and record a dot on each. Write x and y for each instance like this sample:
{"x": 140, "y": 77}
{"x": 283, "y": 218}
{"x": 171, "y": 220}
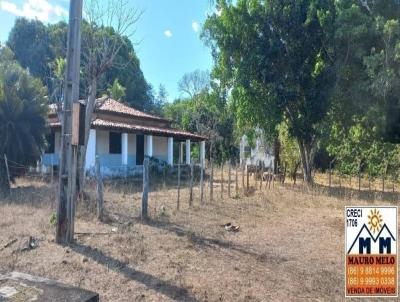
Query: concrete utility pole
{"x": 67, "y": 173}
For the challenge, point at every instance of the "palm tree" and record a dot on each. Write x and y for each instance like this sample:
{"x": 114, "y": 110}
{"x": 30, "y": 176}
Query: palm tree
{"x": 22, "y": 118}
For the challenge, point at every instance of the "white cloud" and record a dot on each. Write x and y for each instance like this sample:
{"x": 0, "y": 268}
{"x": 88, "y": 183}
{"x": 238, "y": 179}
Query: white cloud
{"x": 42, "y": 10}
{"x": 9, "y": 7}
{"x": 168, "y": 33}
{"x": 195, "y": 26}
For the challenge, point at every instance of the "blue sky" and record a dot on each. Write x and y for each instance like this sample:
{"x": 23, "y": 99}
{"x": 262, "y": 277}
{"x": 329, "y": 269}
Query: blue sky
{"x": 168, "y": 34}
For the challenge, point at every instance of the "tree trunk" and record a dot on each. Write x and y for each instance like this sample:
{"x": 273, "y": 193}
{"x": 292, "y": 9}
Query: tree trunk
{"x": 4, "y": 184}
{"x": 306, "y": 160}
{"x": 294, "y": 173}
{"x": 90, "y": 104}
{"x": 277, "y": 160}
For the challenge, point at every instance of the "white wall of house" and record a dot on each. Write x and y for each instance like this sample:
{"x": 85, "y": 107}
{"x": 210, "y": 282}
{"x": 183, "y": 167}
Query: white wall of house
{"x": 160, "y": 147}
{"x": 132, "y": 144}
{"x": 102, "y": 142}
{"x": 113, "y": 164}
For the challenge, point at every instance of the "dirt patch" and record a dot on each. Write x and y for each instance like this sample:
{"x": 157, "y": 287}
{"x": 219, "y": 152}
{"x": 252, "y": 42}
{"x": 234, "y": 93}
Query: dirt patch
{"x": 289, "y": 246}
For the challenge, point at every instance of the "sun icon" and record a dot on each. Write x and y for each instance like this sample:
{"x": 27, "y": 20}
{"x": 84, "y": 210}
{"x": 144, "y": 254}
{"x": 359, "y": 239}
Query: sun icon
{"x": 375, "y": 221}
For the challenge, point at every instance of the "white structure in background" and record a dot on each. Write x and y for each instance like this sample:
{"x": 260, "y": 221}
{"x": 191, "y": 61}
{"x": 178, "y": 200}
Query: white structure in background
{"x": 121, "y": 137}
{"x": 261, "y": 152}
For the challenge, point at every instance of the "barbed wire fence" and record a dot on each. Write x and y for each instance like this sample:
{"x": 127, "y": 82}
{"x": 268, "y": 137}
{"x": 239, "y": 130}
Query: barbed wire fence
{"x": 191, "y": 186}
{"x": 21, "y": 176}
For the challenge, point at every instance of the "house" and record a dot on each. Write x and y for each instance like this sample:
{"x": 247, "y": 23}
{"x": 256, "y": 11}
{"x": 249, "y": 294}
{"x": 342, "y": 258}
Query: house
{"x": 121, "y": 137}
{"x": 257, "y": 153}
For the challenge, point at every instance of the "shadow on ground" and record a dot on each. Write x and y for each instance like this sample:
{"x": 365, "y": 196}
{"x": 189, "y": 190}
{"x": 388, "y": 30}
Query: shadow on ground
{"x": 212, "y": 243}
{"x": 164, "y": 287}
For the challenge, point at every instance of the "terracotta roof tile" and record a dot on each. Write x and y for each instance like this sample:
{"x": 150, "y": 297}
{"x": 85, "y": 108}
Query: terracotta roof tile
{"x": 135, "y": 128}
{"x": 111, "y": 105}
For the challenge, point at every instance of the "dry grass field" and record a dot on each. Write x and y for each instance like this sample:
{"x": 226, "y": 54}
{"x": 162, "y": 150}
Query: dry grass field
{"x": 290, "y": 245}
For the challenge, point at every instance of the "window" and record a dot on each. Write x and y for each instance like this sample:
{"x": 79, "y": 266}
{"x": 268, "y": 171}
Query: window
{"x": 115, "y": 143}
{"x": 51, "y": 140}
{"x": 139, "y": 149}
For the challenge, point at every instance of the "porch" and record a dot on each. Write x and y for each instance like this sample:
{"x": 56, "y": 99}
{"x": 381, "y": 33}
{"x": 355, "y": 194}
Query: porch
{"x": 121, "y": 153}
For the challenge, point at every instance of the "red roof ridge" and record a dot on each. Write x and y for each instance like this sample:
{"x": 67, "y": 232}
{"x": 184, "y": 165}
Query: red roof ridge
{"x": 107, "y": 104}
{"x": 99, "y": 122}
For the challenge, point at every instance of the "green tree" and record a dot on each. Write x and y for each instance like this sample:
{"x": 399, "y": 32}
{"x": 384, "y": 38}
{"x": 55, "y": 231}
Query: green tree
{"x": 127, "y": 69}
{"x": 31, "y": 44}
{"x": 207, "y": 113}
{"x": 276, "y": 56}
{"x": 39, "y": 48}
{"x": 289, "y": 151}
{"x": 162, "y": 95}
{"x": 365, "y": 103}
{"x": 107, "y": 30}
{"x": 22, "y": 117}
{"x": 116, "y": 91}
{"x": 178, "y": 111}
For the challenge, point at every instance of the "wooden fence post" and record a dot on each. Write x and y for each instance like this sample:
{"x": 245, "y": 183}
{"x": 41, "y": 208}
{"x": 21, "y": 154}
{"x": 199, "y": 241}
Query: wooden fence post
{"x": 261, "y": 175}
{"x": 383, "y": 183}
{"x": 243, "y": 175}
{"x": 191, "y": 185}
{"x": 330, "y": 174}
{"x": 229, "y": 179}
{"x": 236, "y": 180}
{"x": 393, "y": 184}
{"x": 369, "y": 182}
{"x": 100, "y": 200}
{"x": 393, "y": 195}
{"x": 256, "y": 175}
{"x": 247, "y": 175}
{"x": 222, "y": 180}
{"x": 52, "y": 171}
{"x": 202, "y": 182}
{"x": 72, "y": 204}
{"x": 273, "y": 176}
{"x": 145, "y": 194}
{"x": 283, "y": 175}
{"x": 269, "y": 178}
{"x": 179, "y": 186}
{"x": 165, "y": 176}
{"x": 212, "y": 182}
{"x": 8, "y": 172}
